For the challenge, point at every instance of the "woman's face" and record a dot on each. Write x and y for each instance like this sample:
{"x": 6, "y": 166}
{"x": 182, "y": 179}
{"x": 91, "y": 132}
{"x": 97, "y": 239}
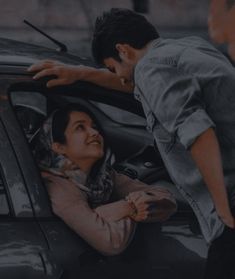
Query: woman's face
{"x": 84, "y": 145}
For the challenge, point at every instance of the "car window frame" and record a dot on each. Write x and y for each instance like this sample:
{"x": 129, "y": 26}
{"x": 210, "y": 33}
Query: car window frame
{"x": 35, "y": 201}
{"x": 12, "y": 179}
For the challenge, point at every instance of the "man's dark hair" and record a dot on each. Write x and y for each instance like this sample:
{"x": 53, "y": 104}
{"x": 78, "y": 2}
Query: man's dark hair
{"x": 120, "y": 26}
{"x": 230, "y": 3}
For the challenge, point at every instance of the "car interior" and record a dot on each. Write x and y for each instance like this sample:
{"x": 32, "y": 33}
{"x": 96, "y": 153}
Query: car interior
{"x": 137, "y": 160}
{"x": 135, "y": 153}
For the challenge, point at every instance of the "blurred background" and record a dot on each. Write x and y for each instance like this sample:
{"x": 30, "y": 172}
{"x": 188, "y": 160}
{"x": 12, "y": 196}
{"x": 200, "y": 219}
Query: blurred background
{"x": 72, "y": 21}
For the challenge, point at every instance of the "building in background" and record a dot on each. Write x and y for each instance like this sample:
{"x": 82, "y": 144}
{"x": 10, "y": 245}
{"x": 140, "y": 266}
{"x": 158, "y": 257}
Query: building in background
{"x": 71, "y": 21}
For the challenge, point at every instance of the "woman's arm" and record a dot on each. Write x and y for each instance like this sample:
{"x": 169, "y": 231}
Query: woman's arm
{"x": 159, "y": 202}
{"x": 71, "y": 206}
{"x": 121, "y": 209}
{"x": 115, "y": 211}
{"x": 68, "y": 74}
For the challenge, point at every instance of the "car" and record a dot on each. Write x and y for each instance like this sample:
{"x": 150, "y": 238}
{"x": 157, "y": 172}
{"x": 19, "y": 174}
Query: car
{"x": 34, "y": 243}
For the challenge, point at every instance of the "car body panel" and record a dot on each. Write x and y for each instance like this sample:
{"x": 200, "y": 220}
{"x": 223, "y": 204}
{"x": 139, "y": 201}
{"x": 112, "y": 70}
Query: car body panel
{"x": 30, "y": 176}
{"x": 20, "y": 53}
{"x": 24, "y": 252}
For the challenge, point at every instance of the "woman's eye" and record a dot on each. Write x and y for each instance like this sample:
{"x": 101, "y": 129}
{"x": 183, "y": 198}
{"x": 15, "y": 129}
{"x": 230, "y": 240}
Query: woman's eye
{"x": 80, "y": 127}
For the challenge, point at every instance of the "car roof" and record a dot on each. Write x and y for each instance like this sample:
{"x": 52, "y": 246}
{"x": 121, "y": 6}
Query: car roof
{"x": 16, "y": 56}
{"x": 24, "y": 54}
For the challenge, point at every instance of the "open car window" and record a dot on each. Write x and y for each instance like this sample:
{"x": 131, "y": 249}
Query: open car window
{"x": 134, "y": 153}
{"x": 30, "y": 109}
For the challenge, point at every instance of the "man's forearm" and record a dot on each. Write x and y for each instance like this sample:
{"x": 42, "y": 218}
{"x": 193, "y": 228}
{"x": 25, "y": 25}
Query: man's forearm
{"x": 106, "y": 79}
{"x": 206, "y": 153}
{"x": 68, "y": 74}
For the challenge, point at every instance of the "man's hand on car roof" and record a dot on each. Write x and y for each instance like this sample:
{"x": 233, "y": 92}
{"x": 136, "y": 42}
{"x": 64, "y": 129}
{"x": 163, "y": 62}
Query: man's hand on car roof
{"x": 65, "y": 74}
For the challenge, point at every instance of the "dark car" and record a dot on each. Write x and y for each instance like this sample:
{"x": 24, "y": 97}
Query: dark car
{"x": 34, "y": 243}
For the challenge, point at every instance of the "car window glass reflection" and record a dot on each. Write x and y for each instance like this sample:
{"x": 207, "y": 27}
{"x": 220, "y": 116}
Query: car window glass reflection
{"x": 120, "y": 116}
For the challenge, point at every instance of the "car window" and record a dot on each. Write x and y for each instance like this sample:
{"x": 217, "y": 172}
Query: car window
{"x": 119, "y": 115}
{"x": 30, "y": 109}
{"x": 34, "y": 100}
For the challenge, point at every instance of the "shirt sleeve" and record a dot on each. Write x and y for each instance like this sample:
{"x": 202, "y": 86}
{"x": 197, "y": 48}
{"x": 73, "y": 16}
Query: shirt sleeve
{"x": 70, "y": 204}
{"x": 174, "y": 98}
{"x": 163, "y": 202}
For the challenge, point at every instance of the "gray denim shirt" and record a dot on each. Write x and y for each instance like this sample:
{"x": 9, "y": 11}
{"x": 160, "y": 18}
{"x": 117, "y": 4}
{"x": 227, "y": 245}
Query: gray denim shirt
{"x": 187, "y": 86}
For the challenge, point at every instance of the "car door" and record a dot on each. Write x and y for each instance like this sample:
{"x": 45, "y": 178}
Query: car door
{"x": 173, "y": 247}
{"x": 23, "y": 249}
{"x": 65, "y": 247}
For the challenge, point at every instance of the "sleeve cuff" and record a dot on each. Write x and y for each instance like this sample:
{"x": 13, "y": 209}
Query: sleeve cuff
{"x": 193, "y": 126}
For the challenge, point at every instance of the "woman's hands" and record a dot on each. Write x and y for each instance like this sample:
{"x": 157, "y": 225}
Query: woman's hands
{"x": 152, "y": 207}
{"x": 65, "y": 74}
{"x": 136, "y": 206}
{"x": 138, "y": 203}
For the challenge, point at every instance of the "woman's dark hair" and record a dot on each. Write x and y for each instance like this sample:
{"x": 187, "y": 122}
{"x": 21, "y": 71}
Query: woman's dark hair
{"x": 61, "y": 120}
{"x": 120, "y": 26}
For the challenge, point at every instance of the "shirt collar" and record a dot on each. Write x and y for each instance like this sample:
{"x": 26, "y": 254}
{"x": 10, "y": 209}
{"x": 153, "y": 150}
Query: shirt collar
{"x": 153, "y": 44}
{"x": 150, "y": 46}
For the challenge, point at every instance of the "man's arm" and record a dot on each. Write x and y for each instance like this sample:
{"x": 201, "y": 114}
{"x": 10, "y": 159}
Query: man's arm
{"x": 68, "y": 74}
{"x": 206, "y": 153}
{"x": 178, "y": 107}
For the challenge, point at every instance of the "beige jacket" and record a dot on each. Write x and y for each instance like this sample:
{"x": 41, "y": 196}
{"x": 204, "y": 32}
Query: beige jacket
{"x": 108, "y": 237}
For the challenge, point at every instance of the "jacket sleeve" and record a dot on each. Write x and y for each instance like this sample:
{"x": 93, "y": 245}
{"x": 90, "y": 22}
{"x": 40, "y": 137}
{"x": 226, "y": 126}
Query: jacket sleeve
{"x": 175, "y": 99}
{"x": 163, "y": 203}
{"x": 70, "y": 204}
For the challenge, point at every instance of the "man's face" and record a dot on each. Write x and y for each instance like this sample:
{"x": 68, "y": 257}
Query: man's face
{"x": 123, "y": 69}
{"x": 231, "y": 32}
{"x": 221, "y": 24}
{"x": 217, "y": 20}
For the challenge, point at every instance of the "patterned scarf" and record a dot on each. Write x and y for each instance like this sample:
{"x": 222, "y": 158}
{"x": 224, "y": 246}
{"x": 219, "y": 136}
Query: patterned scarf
{"x": 98, "y": 185}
